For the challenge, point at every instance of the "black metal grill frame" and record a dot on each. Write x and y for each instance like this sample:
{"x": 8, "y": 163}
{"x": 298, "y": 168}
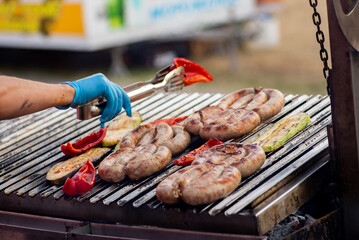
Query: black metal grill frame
{"x": 30, "y": 146}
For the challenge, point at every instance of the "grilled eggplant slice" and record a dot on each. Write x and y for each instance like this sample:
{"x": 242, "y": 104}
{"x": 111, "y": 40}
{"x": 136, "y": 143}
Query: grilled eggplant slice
{"x": 119, "y": 127}
{"x": 62, "y": 170}
{"x": 282, "y": 131}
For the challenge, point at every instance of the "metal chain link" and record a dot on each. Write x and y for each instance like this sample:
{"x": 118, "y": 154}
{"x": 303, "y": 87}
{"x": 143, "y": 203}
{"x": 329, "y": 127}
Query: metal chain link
{"x": 320, "y": 39}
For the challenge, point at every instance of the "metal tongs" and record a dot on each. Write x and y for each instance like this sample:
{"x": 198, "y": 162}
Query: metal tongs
{"x": 165, "y": 80}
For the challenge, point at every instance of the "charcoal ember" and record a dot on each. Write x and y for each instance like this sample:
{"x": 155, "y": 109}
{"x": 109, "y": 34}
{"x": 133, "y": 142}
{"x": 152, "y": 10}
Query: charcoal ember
{"x": 289, "y": 225}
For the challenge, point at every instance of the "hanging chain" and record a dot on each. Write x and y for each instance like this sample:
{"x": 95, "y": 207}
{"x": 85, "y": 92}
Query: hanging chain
{"x": 320, "y": 39}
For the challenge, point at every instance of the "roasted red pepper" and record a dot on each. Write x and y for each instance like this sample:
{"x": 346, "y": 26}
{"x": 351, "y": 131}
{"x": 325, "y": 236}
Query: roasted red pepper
{"x": 169, "y": 121}
{"x": 188, "y": 158}
{"x": 82, "y": 181}
{"x": 84, "y": 144}
{"x": 194, "y": 72}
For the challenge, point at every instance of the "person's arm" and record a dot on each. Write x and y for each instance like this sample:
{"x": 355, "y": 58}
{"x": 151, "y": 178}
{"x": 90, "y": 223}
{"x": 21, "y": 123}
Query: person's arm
{"x": 20, "y": 97}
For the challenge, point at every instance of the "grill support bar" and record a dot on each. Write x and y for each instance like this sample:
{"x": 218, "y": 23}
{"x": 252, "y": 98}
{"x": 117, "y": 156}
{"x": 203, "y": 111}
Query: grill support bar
{"x": 343, "y": 86}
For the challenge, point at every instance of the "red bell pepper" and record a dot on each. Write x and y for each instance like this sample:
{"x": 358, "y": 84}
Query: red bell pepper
{"x": 188, "y": 158}
{"x": 84, "y": 144}
{"x": 169, "y": 121}
{"x": 194, "y": 72}
{"x": 82, "y": 181}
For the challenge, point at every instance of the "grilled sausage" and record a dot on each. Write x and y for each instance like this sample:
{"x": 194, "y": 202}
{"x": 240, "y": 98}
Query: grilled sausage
{"x": 221, "y": 154}
{"x": 163, "y": 134}
{"x": 168, "y": 190}
{"x": 147, "y": 138}
{"x": 273, "y": 106}
{"x": 242, "y": 102}
{"x": 252, "y": 162}
{"x": 231, "y": 98}
{"x": 259, "y": 99}
{"x": 150, "y": 160}
{"x": 112, "y": 168}
{"x": 214, "y": 174}
{"x": 131, "y": 138}
{"x": 215, "y": 184}
{"x": 195, "y": 121}
{"x": 237, "y": 124}
{"x": 236, "y": 114}
{"x": 145, "y": 150}
{"x": 179, "y": 142}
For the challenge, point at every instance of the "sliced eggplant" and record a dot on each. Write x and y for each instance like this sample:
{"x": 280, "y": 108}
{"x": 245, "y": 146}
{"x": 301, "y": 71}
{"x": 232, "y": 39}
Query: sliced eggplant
{"x": 62, "y": 170}
{"x": 282, "y": 131}
{"x": 119, "y": 127}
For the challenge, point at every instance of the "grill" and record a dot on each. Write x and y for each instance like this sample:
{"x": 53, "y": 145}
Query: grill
{"x": 290, "y": 176}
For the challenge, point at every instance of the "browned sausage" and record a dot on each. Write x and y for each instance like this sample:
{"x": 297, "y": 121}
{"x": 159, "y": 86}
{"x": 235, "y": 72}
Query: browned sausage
{"x": 195, "y": 121}
{"x": 213, "y": 185}
{"x": 259, "y": 99}
{"x": 228, "y": 119}
{"x": 221, "y": 154}
{"x": 242, "y": 102}
{"x": 112, "y": 168}
{"x": 192, "y": 174}
{"x": 213, "y": 175}
{"x": 237, "y": 124}
{"x": 168, "y": 190}
{"x": 131, "y": 138}
{"x": 273, "y": 106}
{"x": 150, "y": 160}
{"x": 231, "y": 98}
{"x": 220, "y": 118}
{"x": 179, "y": 142}
{"x": 164, "y": 133}
{"x": 147, "y": 138}
{"x": 254, "y": 159}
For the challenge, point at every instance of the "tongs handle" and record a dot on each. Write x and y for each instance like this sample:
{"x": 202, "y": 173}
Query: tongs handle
{"x": 134, "y": 91}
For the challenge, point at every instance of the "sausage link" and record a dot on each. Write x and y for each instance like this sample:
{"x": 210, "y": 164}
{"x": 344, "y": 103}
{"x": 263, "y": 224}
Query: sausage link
{"x": 242, "y": 102}
{"x": 216, "y": 175}
{"x": 192, "y": 174}
{"x": 254, "y": 159}
{"x": 259, "y": 99}
{"x": 220, "y": 118}
{"x": 231, "y": 98}
{"x": 131, "y": 138}
{"x": 238, "y": 124}
{"x": 195, "y": 121}
{"x": 179, "y": 142}
{"x": 215, "y": 184}
{"x": 148, "y": 162}
{"x": 112, "y": 168}
{"x": 205, "y": 155}
{"x": 164, "y": 132}
{"x": 168, "y": 190}
{"x": 273, "y": 106}
{"x": 147, "y": 138}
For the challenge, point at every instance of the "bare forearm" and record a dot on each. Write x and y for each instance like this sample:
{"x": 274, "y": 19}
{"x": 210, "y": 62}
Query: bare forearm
{"x": 19, "y": 97}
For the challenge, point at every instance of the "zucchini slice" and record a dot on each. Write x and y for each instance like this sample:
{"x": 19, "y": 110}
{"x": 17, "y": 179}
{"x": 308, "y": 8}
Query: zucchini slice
{"x": 282, "y": 131}
{"x": 62, "y": 170}
{"x": 119, "y": 127}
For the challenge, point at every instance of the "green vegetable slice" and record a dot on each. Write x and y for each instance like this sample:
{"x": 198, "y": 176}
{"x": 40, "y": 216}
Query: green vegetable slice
{"x": 282, "y": 131}
{"x": 119, "y": 127}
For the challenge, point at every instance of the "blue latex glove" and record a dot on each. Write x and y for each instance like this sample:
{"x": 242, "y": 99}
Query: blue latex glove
{"x": 97, "y": 85}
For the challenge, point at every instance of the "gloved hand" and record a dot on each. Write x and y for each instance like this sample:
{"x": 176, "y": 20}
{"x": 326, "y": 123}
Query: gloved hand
{"x": 97, "y": 85}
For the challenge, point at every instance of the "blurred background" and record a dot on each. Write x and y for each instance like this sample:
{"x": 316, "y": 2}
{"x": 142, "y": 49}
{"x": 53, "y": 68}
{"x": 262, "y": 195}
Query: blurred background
{"x": 241, "y": 43}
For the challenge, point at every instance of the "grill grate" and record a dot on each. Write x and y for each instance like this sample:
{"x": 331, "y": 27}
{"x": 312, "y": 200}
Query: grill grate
{"x": 30, "y": 146}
